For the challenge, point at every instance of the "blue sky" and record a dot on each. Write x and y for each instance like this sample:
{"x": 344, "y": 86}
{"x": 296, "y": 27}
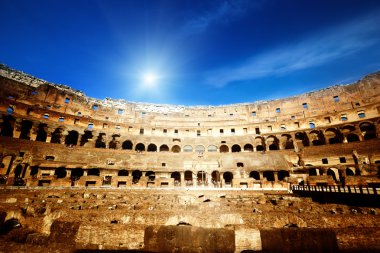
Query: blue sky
{"x": 200, "y": 52}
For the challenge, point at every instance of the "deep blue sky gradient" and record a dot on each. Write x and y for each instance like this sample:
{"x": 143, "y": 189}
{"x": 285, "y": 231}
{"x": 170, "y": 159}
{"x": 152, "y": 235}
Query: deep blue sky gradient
{"x": 205, "y": 52}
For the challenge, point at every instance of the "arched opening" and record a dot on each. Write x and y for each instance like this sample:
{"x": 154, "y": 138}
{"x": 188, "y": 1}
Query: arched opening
{"x": 60, "y": 172}
{"x": 350, "y": 172}
{"x": 334, "y": 174}
{"x": 287, "y": 141}
{"x": 215, "y": 177}
{"x": 101, "y": 141}
{"x": 177, "y": 178}
{"x": 127, "y": 145}
{"x": 152, "y": 148}
{"x": 7, "y": 126}
{"x": 26, "y": 125}
{"x": 224, "y": 149}
{"x": 85, "y": 137}
{"x": 201, "y": 177}
{"x": 93, "y": 172}
{"x": 41, "y": 133}
{"x": 333, "y": 136}
{"x": 114, "y": 143}
{"x": 368, "y": 130}
{"x": 56, "y": 136}
{"x": 282, "y": 175}
{"x": 123, "y": 173}
{"x": 235, "y": 148}
{"x": 164, "y": 148}
{"x": 18, "y": 170}
{"x": 228, "y": 176}
{"x": 212, "y": 148}
{"x": 352, "y": 138}
{"x": 140, "y": 147}
{"x": 269, "y": 175}
{"x": 150, "y": 175}
{"x": 176, "y": 149}
{"x": 187, "y": 148}
{"x": 255, "y": 175}
{"x": 317, "y": 138}
{"x": 72, "y": 138}
{"x": 301, "y": 136}
{"x": 76, "y": 174}
{"x": 136, "y": 175}
{"x": 188, "y": 177}
{"x": 199, "y": 149}
{"x": 272, "y": 143}
{"x": 259, "y": 148}
{"x": 248, "y": 148}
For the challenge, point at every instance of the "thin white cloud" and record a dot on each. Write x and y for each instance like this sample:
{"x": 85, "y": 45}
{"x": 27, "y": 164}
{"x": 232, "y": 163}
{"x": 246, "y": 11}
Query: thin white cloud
{"x": 226, "y": 11}
{"x": 316, "y": 50}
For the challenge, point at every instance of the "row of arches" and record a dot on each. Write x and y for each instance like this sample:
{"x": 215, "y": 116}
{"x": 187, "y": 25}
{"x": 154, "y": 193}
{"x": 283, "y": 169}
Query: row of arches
{"x": 347, "y": 133}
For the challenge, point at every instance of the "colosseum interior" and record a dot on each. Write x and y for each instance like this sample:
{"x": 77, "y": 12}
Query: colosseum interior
{"x": 80, "y": 174}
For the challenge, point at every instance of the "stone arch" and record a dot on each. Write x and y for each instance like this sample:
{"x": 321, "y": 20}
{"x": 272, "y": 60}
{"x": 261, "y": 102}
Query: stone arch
{"x": 101, "y": 141}
{"x": 41, "y": 132}
{"x": 235, "y": 148}
{"x": 86, "y": 137}
{"x": 313, "y": 172}
{"x": 114, "y": 143}
{"x": 72, "y": 138}
{"x": 334, "y": 173}
{"x": 350, "y": 171}
{"x": 255, "y": 175}
{"x": 7, "y": 126}
{"x": 212, "y": 148}
{"x": 57, "y": 135}
{"x": 317, "y": 138}
{"x": 26, "y": 126}
{"x": 18, "y": 170}
{"x": 282, "y": 175}
{"x": 269, "y": 175}
{"x": 177, "y": 177}
{"x": 351, "y": 137}
{"x": 136, "y": 175}
{"x": 224, "y": 149}
{"x": 228, "y": 176}
{"x": 127, "y": 145}
{"x": 248, "y": 147}
{"x": 272, "y": 142}
{"x": 301, "y": 136}
{"x": 259, "y": 143}
{"x": 368, "y": 130}
{"x": 199, "y": 149}
{"x": 164, "y": 148}
{"x": 287, "y": 141}
{"x": 60, "y": 172}
{"x": 152, "y": 148}
{"x": 215, "y": 176}
{"x": 188, "y": 177}
{"x": 151, "y": 175}
{"x": 201, "y": 177}
{"x": 176, "y": 149}
{"x": 187, "y": 148}
{"x": 333, "y": 136}
{"x": 123, "y": 173}
{"x": 140, "y": 147}
{"x": 76, "y": 174}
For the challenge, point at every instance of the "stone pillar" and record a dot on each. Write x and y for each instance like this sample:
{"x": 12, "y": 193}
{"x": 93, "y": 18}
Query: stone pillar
{"x": 17, "y": 128}
{"x": 275, "y": 175}
{"x": 195, "y": 181}
{"x": 33, "y": 132}
{"x": 49, "y": 133}
{"x": 182, "y": 176}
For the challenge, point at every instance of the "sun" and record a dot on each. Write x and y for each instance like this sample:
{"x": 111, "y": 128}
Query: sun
{"x": 150, "y": 79}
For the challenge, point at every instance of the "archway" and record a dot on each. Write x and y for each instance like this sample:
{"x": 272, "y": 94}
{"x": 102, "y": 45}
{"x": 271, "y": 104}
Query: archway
{"x": 136, "y": 175}
{"x": 201, "y": 178}
{"x": 188, "y": 177}
{"x": 72, "y": 138}
{"x": 152, "y": 148}
{"x": 150, "y": 175}
{"x": 368, "y": 130}
{"x": 177, "y": 178}
{"x": 228, "y": 176}
{"x": 248, "y": 148}
{"x": 127, "y": 145}
{"x": 269, "y": 175}
{"x": 215, "y": 176}
{"x": 41, "y": 133}
{"x": 224, "y": 149}
{"x": 352, "y": 138}
{"x": 302, "y": 137}
{"x": 282, "y": 175}
{"x": 176, "y": 149}
{"x": 93, "y": 172}
{"x": 255, "y": 175}
{"x": 26, "y": 125}
{"x": 164, "y": 148}
{"x": 140, "y": 147}
{"x": 235, "y": 148}
{"x": 60, "y": 172}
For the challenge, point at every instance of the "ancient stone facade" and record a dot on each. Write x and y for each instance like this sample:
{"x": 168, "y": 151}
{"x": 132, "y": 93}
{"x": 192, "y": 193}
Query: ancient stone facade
{"x": 53, "y": 136}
